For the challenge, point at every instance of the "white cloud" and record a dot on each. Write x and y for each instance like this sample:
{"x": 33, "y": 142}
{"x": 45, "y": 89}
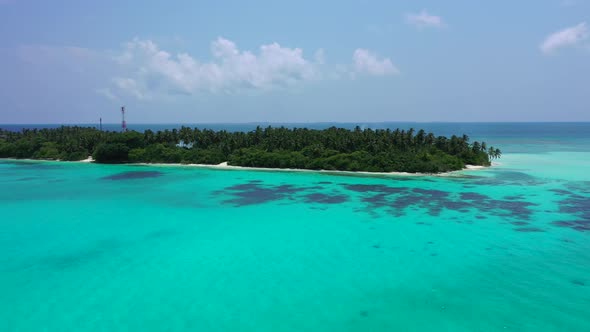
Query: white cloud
{"x": 130, "y": 86}
{"x": 320, "y": 56}
{"x": 143, "y": 71}
{"x": 230, "y": 70}
{"x": 424, "y": 20}
{"x": 107, "y": 93}
{"x": 567, "y": 37}
{"x": 366, "y": 62}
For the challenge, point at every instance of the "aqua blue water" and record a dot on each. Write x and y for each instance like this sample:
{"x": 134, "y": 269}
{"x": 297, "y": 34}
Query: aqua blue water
{"x": 87, "y": 247}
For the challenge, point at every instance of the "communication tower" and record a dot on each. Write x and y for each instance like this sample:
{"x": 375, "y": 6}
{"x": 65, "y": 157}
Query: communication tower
{"x": 123, "y": 123}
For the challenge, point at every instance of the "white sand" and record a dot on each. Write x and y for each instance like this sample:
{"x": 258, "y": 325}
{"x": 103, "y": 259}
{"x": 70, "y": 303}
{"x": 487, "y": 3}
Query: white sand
{"x": 226, "y": 166}
{"x": 87, "y": 160}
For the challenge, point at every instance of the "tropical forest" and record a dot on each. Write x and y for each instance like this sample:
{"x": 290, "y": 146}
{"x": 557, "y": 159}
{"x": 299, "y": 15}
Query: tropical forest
{"x": 338, "y": 149}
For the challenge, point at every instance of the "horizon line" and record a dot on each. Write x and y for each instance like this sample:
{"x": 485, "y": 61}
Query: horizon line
{"x": 311, "y": 122}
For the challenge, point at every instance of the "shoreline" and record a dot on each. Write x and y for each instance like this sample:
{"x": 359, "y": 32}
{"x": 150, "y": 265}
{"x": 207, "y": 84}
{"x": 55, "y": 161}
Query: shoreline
{"x": 225, "y": 167}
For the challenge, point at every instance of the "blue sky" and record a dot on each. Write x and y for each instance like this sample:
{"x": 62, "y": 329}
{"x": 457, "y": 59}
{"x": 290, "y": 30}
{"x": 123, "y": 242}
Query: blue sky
{"x": 298, "y": 61}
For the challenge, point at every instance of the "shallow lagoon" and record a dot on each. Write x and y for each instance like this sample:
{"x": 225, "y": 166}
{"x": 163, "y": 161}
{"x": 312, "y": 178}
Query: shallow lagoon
{"x": 96, "y": 247}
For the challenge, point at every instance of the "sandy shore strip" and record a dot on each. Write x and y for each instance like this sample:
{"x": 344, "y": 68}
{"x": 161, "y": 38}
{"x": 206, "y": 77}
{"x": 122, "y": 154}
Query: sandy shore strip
{"x": 87, "y": 160}
{"x": 225, "y": 166}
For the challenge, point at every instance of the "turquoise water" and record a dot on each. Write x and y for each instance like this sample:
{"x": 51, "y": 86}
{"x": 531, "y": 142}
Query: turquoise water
{"x": 87, "y": 247}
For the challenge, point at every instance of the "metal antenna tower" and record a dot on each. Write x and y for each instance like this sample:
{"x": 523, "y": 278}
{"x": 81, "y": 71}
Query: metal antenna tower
{"x": 123, "y": 123}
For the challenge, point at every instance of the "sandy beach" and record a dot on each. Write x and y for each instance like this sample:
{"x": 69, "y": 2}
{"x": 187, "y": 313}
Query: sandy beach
{"x": 226, "y": 166}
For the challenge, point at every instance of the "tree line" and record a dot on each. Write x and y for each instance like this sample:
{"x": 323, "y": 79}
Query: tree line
{"x": 381, "y": 150}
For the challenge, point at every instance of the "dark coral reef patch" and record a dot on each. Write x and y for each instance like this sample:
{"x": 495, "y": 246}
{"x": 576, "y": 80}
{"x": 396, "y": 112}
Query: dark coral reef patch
{"x": 258, "y": 193}
{"x": 325, "y": 199}
{"x": 579, "y": 207}
{"x": 397, "y": 199}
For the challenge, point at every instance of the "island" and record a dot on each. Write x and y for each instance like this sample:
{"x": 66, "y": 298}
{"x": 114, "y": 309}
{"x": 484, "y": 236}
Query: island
{"x": 334, "y": 149}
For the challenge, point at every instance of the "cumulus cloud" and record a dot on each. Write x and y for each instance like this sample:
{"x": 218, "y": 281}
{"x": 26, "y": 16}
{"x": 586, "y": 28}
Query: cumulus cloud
{"x": 131, "y": 86}
{"x": 424, "y": 20}
{"x": 142, "y": 70}
{"x": 230, "y": 70}
{"x": 320, "y": 56}
{"x": 366, "y": 62}
{"x": 567, "y": 37}
{"x": 107, "y": 93}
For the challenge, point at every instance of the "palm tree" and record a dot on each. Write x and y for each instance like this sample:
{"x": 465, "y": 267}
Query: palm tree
{"x": 476, "y": 147}
{"x": 498, "y": 153}
{"x": 494, "y": 153}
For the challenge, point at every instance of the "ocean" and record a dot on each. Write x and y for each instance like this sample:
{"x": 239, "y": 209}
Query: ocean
{"x": 87, "y": 247}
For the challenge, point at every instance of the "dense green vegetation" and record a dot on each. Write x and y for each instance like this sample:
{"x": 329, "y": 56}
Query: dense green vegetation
{"x": 329, "y": 149}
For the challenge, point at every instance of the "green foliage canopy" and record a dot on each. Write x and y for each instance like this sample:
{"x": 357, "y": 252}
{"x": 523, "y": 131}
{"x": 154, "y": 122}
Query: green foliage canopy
{"x": 382, "y": 150}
